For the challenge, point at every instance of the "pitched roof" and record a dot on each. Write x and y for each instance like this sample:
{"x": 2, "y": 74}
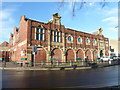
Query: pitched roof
{"x": 4, "y": 44}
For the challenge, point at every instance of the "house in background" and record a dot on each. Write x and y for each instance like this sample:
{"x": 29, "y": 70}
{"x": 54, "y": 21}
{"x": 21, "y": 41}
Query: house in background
{"x": 114, "y": 47}
{"x": 4, "y": 51}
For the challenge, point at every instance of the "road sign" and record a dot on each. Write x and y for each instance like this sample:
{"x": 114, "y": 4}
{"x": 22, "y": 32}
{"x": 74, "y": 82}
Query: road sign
{"x": 78, "y": 59}
{"x": 53, "y": 59}
{"x": 23, "y": 58}
{"x": 34, "y": 49}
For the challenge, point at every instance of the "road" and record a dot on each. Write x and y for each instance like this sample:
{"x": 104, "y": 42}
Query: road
{"x": 89, "y": 78}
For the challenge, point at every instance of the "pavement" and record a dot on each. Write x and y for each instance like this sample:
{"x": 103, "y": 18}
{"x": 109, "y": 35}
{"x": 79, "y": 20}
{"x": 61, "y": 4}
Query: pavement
{"x": 15, "y": 66}
{"x": 11, "y": 66}
{"x": 43, "y": 68}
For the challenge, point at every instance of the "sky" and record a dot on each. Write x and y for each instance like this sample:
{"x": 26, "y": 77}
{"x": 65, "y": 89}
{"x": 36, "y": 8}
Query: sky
{"x": 89, "y": 18}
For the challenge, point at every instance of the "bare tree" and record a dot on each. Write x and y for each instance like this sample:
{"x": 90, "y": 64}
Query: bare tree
{"x": 82, "y": 4}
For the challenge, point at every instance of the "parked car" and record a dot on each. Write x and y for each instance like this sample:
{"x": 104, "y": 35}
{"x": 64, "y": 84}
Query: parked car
{"x": 116, "y": 57}
{"x": 106, "y": 59}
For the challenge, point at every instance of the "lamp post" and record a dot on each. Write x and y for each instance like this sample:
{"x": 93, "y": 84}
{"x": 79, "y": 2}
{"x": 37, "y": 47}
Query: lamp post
{"x": 34, "y": 50}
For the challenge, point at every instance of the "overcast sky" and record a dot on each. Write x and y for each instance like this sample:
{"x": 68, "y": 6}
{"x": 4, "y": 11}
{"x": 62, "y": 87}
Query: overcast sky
{"x": 88, "y": 19}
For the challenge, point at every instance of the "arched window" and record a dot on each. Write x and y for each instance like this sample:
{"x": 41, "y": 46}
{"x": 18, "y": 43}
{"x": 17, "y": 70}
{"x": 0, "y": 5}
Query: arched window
{"x": 79, "y": 40}
{"x": 94, "y": 42}
{"x": 87, "y": 41}
{"x": 70, "y": 38}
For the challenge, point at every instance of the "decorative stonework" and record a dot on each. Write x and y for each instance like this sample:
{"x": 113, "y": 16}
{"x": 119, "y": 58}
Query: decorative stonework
{"x": 27, "y": 40}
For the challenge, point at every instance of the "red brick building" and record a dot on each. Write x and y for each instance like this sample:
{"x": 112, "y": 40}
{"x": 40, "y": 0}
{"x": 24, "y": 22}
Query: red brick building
{"x": 55, "y": 41}
{"x": 4, "y": 51}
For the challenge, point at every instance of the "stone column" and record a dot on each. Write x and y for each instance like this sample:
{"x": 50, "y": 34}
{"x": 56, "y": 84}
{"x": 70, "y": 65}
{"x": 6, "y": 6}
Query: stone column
{"x": 48, "y": 56}
{"x": 49, "y": 43}
{"x": 84, "y": 53}
{"x": 52, "y": 36}
{"x": 75, "y": 54}
{"x": 63, "y": 57}
{"x": 92, "y": 54}
{"x": 63, "y": 44}
{"x": 98, "y": 53}
{"x": 29, "y": 57}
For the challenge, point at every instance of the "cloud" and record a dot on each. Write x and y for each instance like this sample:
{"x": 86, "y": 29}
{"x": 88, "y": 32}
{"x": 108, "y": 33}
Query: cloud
{"x": 113, "y": 11}
{"x": 113, "y": 29}
{"x": 110, "y": 19}
{"x": 111, "y": 22}
{"x": 7, "y": 23}
{"x": 6, "y": 13}
{"x": 111, "y": 32}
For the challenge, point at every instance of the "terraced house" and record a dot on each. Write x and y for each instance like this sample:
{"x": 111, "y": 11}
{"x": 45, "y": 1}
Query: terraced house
{"x": 54, "y": 41}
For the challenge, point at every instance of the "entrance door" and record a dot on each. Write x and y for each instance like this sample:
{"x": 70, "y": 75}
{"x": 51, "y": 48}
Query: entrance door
{"x": 101, "y": 53}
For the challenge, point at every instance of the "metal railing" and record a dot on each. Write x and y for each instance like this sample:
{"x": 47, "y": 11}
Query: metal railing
{"x": 54, "y": 64}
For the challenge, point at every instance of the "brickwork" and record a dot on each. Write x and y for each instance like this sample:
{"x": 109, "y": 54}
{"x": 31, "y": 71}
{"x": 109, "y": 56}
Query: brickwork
{"x": 95, "y": 55}
{"x": 4, "y": 53}
{"x": 40, "y": 56}
{"x": 88, "y": 54}
{"x": 56, "y": 53}
{"x": 80, "y": 54}
{"x": 55, "y": 42}
{"x": 70, "y": 56}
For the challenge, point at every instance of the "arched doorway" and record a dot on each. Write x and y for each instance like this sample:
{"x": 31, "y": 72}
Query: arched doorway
{"x": 80, "y": 54}
{"x": 101, "y": 53}
{"x": 70, "y": 55}
{"x": 95, "y": 55}
{"x": 88, "y": 54}
{"x": 57, "y": 54}
{"x": 40, "y": 56}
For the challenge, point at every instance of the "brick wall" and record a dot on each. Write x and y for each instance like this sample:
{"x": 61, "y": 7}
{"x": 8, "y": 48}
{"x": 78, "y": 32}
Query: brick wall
{"x": 26, "y": 40}
{"x": 56, "y": 53}
{"x": 70, "y": 55}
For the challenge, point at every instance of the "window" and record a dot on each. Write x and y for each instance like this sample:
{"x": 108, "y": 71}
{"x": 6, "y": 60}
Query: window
{"x": 87, "y": 41}
{"x": 80, "y": 40}
{"x": 55, "y": 21}
{"x": 107, "y": 45}
{"x": 56, "y": 36}
{"x": 101, "y": 43}
{"x": 39, "y": 34}
{"x": 70, "y": 38}
{"x": 94, "y": 42}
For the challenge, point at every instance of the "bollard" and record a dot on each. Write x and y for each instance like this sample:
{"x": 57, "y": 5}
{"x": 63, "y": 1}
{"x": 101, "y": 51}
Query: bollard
{"x": 42, "y": 63}
{"x": 57, "y": 63}
{"x": 70, "y": 63}
{"x": 109, "y": 62}
{"x": 4, "y": 63}
{"x": 74, "y": 66}
{"x": 82, "y": 62}
{"x": 21, "y": 64}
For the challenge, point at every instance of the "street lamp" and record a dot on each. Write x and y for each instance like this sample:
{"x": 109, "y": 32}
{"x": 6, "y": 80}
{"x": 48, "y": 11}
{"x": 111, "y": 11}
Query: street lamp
{"x": 34, "y": 50}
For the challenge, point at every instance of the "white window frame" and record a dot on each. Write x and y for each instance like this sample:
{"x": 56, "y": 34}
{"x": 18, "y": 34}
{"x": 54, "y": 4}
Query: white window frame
{"x": 43, "y": 37}
{"x": 57, "y": 36}
{"x": 80, "y": 41}
{"x": 88, "y": 41}
{"x": 69, "y": 40}
{"x": 94, "y": 42}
